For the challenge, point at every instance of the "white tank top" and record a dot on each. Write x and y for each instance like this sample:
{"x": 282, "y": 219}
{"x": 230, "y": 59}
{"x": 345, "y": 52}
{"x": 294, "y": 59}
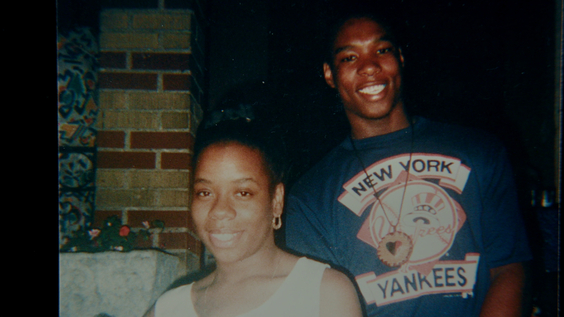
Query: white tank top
{"x": 299, "y": 295}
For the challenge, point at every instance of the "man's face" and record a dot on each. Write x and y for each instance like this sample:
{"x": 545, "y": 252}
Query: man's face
{"x": 366, "y": 71}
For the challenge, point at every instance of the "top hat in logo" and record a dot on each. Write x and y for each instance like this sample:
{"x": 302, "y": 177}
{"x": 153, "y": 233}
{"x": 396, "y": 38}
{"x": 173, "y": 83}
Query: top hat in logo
{"x": 419, "y": 209}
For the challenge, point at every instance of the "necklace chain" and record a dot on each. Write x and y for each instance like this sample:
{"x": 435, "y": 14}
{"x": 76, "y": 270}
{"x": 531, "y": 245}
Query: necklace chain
{"x": 355, "y": 150}
{"x": 276, "y": 267}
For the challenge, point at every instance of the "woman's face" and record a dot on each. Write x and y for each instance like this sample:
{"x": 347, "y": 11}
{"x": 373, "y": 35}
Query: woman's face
{"x": 232, "y": 206}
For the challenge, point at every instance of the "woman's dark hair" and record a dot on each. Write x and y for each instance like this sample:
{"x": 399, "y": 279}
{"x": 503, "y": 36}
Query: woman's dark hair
{"x": 250, "y": 134}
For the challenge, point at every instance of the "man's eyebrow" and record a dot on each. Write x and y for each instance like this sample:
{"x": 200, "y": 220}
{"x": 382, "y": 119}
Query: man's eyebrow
{"x": 342, "y": 48}
{"x": 245, "y": 180}
{"x": 385, "y": 38}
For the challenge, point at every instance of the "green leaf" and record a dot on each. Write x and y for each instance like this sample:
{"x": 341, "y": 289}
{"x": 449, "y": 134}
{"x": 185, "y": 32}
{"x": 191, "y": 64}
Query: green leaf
{"x": 158, "y": 224}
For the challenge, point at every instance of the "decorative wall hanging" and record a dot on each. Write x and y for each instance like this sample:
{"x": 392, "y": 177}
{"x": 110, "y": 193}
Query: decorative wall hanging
{"x": 77, "y": 110}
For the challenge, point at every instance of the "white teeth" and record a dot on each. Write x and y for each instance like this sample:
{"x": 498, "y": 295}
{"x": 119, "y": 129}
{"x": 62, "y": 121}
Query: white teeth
{"x": 373, "y": 90}
{"x": 223, "y": 236}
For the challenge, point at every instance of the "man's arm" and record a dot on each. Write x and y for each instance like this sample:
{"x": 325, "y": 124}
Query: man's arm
{"x": 505, "y": 296}
{"x": 307, "y": 232}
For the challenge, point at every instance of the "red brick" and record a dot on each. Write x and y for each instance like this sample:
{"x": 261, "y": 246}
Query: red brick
{"x": 191, "y": 224}
{"x": 171, "y": 218}
{"x": 127, "y": 81}
{"x": 140, "y": 160}
{"x": 176, "y": 161}
{"x": 112, "y": 60}
{"x": 177, "y": 82}
{"x": 180, "y": 241}
{"x": 160, "y": 61}
{"x": 161, "y": 140}
{"x": 101, "y": 215}
{"x": 112, "y": 139}
{"x": 194, "y": 245}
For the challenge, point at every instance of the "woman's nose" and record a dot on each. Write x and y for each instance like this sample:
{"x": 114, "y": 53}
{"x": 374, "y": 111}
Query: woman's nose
{"x": 222, "y": 209}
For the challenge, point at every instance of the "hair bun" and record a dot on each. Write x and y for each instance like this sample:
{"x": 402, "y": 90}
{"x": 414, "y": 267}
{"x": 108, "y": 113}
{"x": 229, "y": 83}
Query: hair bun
{"x": 243, "y": 112}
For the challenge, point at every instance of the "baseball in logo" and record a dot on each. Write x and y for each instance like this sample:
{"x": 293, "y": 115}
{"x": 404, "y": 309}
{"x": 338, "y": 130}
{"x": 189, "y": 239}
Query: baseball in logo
{"x": 418, "y": 215}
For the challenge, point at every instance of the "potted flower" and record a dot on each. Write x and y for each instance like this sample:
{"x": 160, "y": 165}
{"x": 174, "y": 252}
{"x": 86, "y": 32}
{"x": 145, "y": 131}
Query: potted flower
{"x": 112, "y": 236}
{"x": 106, "y": 271}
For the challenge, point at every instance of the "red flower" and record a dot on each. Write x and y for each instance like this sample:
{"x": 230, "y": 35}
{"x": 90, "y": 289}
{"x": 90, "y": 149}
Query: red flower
{"x": 124, "y": 231}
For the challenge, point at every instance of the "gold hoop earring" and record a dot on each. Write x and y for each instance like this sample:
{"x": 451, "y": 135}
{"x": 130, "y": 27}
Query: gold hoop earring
{"x": 276, "y": 222}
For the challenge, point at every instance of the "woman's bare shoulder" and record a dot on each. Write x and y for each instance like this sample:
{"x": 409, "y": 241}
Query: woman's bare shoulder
{"x": 334, "y": 279}
{"x": 338, "y": 295}
{"x": 150, "y": 312}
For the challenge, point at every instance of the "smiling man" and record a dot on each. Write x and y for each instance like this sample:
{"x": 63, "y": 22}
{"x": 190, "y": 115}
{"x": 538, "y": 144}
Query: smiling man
{"x": 422, "y": 214}
{"x": 366, "y": 71}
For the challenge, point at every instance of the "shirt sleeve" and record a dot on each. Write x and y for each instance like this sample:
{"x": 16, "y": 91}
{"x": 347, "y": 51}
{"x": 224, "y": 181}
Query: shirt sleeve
{"x": 307, "y": 232}
{"x": 504, "y": 234}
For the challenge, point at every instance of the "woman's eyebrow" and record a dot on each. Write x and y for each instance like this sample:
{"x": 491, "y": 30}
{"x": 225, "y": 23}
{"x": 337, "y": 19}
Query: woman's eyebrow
{"x": 236, "y": 181}
{"x": 201, "y": 180}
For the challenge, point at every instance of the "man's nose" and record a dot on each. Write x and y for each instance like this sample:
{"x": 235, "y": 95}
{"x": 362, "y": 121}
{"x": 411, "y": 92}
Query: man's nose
{"x": 369, "y": 67}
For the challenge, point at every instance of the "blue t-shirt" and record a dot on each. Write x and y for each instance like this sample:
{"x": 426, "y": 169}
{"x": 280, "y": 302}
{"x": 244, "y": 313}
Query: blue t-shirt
{"x": 455, "y": 218}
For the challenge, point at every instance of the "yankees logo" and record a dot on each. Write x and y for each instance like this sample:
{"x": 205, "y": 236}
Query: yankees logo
{"x": 412, "y": 223}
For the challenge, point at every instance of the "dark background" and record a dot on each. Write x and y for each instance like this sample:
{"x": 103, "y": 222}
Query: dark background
{"x": 488, "y": 64}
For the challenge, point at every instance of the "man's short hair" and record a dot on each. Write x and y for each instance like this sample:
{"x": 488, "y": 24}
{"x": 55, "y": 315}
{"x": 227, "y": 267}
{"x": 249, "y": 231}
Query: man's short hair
{"x": 385, "y": 22}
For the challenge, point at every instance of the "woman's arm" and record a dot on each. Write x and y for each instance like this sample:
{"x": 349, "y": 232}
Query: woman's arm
{"x": 338, "y": 296}
{"x": 150, "y": 312}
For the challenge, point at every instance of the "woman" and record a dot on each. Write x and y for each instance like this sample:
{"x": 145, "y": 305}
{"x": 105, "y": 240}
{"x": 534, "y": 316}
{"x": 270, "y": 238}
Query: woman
{"x": 237, "y": 204}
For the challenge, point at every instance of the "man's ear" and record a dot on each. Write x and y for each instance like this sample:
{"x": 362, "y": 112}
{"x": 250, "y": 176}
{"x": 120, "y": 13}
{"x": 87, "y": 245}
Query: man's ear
{"x": 401, "y": 58}
{"x": 278, "y": 200}
{"x": 328, "y": 74}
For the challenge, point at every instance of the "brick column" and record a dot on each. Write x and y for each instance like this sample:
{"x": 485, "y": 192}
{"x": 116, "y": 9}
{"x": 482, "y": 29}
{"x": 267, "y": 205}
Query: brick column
{"x": 150, "y": 99}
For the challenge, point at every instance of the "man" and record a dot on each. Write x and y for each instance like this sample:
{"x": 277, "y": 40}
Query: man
{"x": 423, "y": 215}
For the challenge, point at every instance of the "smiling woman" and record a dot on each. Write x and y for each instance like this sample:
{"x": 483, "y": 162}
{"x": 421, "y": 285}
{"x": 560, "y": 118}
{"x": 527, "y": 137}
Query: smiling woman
{"x": 237, "y": 206}
{"x": 232, "y": 208}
